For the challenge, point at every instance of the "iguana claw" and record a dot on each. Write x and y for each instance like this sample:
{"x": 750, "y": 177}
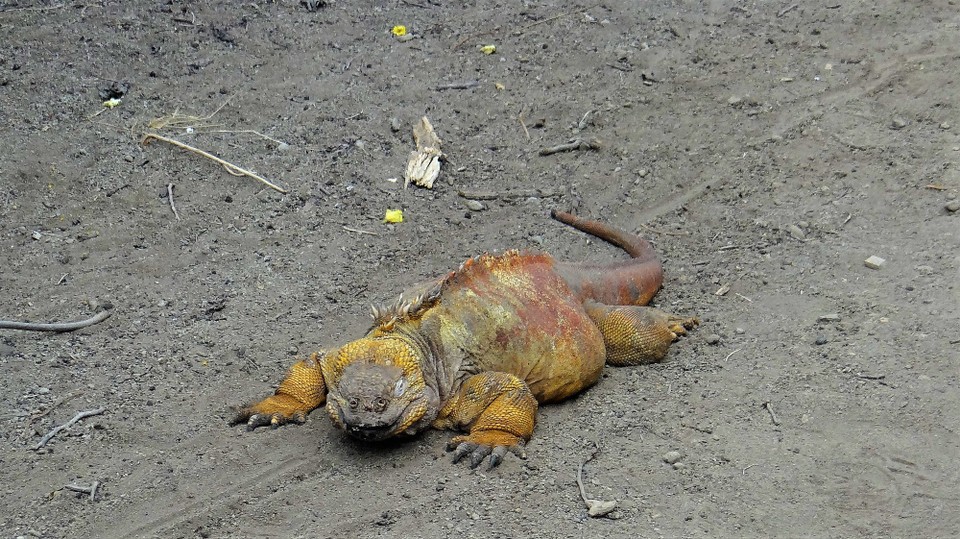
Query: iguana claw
{"x": 462, "y": 446}
{"x": 274, "y": 420}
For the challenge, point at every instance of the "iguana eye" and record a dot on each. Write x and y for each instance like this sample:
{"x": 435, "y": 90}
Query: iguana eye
{"x": 400, "y": 388}
{"x": 381, "y": 403}
{"x": 354, "y": 403}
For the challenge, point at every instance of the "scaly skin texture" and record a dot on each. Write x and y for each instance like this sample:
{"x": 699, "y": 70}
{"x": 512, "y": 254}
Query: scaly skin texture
{"x": 478, "y": 349}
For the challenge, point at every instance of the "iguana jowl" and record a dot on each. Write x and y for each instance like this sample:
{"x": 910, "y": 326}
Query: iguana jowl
{"x": 479, "y": 348}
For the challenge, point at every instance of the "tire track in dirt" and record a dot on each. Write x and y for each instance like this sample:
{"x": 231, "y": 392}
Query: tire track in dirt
{"x": 879, "y": 77}
{"x": 218, "y": 497}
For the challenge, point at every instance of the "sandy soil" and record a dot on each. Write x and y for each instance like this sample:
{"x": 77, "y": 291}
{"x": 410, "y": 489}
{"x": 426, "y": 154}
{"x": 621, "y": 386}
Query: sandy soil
{"x": 767, "y": 148}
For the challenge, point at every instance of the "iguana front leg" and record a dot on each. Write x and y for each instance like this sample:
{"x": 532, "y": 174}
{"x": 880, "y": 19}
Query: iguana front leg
{"x": 300, "y": 392}
{"x": 497, "y": 409}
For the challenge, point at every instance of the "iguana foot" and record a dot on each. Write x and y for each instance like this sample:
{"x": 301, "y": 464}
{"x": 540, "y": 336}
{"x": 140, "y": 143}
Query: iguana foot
{"x": 275, "y": 410}
{"x": 300, "y": 392}
{"x": 637, "y": 335}
{"x": 493, "y": 443}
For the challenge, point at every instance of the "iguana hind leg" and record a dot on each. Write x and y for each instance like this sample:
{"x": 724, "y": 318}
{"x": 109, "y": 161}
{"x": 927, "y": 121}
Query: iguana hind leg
{"x": 499, "y": 411}
{"x": 636, "y": 335}
{"x": 300, "y": 392}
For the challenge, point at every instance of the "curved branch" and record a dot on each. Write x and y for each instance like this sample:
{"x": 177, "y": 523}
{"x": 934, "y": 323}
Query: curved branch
{"x": 62, "y": 326}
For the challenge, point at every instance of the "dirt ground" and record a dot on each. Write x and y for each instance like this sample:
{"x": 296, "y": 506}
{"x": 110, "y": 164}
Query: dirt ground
{"x": 766, "y": 148}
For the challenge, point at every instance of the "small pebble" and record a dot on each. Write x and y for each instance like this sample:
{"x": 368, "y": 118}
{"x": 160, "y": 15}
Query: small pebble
{"x": 874, "y": 262}
{"x": 952, "y": 206}
{"x": 898, "y": 123}
{"x": 643, "y": 172}
{"x": 796, "y": 232}
{"x": 712, "y": 338}
{"x": 475, "y": 205}
{"x": 36, "y": 235}
{"x": 735, "y": 101}
{"x": 821, "y": 340}
{"x": 395, "y": 124}
{"x": 672, "y": 457}
{"x": 832, "y": 317}
{"x": 739, "y": 331}
{"x": 679, "y": 465}
{"x": 283, "y": 147}
{"x": 945, "y": 126}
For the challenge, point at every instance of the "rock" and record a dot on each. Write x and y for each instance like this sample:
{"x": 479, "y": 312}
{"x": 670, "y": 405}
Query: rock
{"x": 832, "y": 317}
{"x": 952, "y": 206}
{"x": 874, "y": 262}
{"x": 712, "y": 338}
{"x": 283, "y": 147}
{"x": 898, "y": 123}
{"x": 475, "y": 205}
{"x": 735, "y": 101}
{"x": 600, "y": 508}
{"x": 821, "y": 340}
{"x": 796, "y": 232}
{"x": 672, "y": 457}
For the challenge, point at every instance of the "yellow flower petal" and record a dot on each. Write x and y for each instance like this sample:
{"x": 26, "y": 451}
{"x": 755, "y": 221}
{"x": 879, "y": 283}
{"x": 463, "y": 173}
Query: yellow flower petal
{"x": 110, "y": 103}
{"x": 488, "y": 49}
{"x": 399, "y": 30}
{"x": 393, "y": 216}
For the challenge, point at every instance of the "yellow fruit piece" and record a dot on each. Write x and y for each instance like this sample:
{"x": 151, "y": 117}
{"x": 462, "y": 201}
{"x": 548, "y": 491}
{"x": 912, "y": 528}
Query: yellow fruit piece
{"x": 393, "y": 216}
{"x": 488, "y": 49}
{"x": 399, "y": 30}
{"x": 110, "y": 103}
{"x": 499, "y": 87}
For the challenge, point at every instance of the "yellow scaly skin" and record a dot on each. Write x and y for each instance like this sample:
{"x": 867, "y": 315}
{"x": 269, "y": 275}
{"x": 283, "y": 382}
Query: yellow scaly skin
{"x": 478, "y": 349}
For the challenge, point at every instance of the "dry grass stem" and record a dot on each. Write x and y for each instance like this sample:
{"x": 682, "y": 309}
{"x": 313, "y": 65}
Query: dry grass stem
{"x": 229, "y": 167}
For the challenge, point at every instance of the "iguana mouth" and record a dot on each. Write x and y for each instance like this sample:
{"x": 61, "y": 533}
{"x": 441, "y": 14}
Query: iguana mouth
{"x": 380, "y": 429}
{"x": 370, "y": 433}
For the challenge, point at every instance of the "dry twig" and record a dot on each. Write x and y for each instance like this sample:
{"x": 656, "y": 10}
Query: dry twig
{"x": 359, "y": 231}
{"x": 787, "y": 9}
{"x": 61, "y": 326}
{"x": 595, "y": 508}
{"x": 575, "y": 144}
{"x": 170, "y": 198}
{"x": 458, "y": 85}
{"x": 91, "y": 490}
{"x": 523, "y": 124}
{"x": 229, "y": 167}
{"x": 53, "y": 432}
{"x": 773, "y": 416}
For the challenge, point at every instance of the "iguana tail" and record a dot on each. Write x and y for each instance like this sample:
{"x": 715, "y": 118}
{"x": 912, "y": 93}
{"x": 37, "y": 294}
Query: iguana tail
{"x": 629, "y": 282}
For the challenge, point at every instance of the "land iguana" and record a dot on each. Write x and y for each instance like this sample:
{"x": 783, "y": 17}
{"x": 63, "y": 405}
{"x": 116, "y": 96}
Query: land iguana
{"x": 478, "y": 349}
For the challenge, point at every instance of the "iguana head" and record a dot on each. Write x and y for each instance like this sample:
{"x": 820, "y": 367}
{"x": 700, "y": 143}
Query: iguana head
{"x": 378, "y": 389}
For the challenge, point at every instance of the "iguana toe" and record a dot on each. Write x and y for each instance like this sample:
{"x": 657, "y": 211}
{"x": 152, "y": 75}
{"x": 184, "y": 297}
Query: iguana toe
{"x": 481, "y": 445}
